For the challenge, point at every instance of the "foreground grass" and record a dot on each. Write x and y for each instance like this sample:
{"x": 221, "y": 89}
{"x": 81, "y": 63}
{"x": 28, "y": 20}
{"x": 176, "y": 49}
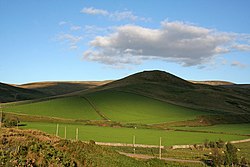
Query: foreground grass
{"x": 244, "y": 150}
{"x": 69, "y": 108}
{"x": 125, "y": 135}
{"x": 35, "y": 148}
{"x": 129, "y": 107}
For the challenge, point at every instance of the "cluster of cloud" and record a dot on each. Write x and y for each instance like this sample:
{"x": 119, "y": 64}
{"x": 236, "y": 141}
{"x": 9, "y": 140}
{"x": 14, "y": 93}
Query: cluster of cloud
{"x": 70, "y": 39}
{"x": 238, "y": 64}
{"x": 72, "y": 26}
{"x": 117, "y": 16}
{"x": 180, "y": 42}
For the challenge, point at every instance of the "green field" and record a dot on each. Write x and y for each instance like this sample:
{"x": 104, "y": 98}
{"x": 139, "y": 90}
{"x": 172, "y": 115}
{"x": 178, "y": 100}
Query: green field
{"x": 69, "y": 108}
{"x": 125, "y": 135}
{"x": 115, "y": 105}
{"x": 224, "y": 128}
{"x": 128, "y": 107}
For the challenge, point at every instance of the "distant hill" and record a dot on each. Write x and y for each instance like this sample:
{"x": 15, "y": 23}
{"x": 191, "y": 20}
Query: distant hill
{"x": 10, "y": 93}
{"x": 220, "y": 97}
{"x": 153, "y": 77}
{"x": 60, "y": 88}
{"x": 169, "y": 88}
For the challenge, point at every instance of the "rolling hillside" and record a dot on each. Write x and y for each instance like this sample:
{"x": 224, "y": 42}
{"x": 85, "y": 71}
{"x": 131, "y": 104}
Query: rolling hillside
{"x": 10, "y": 93}
{"x": 147, "y": 97}
{"x": 37, "y": 90}
{"x": 169, "y": 88}
{"x": 60, "y": 88}
{"x": 67, "y": 108}
{"x": 128, "y": 107}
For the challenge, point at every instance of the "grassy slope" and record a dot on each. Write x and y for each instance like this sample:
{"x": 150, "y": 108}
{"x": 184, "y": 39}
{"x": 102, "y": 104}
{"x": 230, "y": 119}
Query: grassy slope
{"x": 59, "y": 88}
{"x": 117, "y": 106}
{"x": 10, "y": 93}
{"x": 226, "y": 128}
{"x": 128, "y": 107}
{"x": 70, "y": 107}
{"x": 166, "y": 87}
{"x": 125, "y": 135}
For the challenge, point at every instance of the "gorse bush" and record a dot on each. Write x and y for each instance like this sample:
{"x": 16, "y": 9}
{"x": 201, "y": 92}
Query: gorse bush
{"x": 35, "y": 148}
{"x": 34, "y": 154}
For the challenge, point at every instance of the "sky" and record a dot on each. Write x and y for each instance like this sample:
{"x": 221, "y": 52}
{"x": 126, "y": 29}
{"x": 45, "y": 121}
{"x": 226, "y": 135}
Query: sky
{"x": 83, "y": 40}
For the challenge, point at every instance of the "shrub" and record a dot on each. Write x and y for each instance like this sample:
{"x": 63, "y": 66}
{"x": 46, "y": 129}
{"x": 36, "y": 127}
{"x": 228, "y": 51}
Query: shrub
{"x": 212, "y": 144}
{"x": 220, "y": 143}
{"x": 206, "y": 143}
{"x": 231, "y": 154}
{"x": 243, "y": 162}
{"x": 216, "y": 157}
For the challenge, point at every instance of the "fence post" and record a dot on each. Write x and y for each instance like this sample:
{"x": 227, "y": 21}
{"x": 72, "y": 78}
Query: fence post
{"x": 160, "y": 149}
{"x": 76, "y": 134}
{"x": 65, "y": 133}
{"x": 57, "y": 129}
{"x": 134, "y": 143}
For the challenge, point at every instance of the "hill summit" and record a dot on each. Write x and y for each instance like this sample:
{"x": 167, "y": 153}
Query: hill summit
{"x": 152, "y": 77}
{"x": 158, "y": 76}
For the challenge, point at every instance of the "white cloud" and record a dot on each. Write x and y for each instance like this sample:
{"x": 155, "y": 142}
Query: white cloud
{"x": 70, "y": 39}
{"x": 62, "y": 23}
{"x": 241, "y": 47}
{"x": 94, "y": 11}
{"x": 75, "y": 28}
{"x": 117, "y": 16}
{"x": 186, "y": 44}
{"x": 238, "y": 64}
{"x": 73, "y": 47}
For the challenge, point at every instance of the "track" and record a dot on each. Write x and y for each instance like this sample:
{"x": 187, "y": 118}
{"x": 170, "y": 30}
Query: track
{"x": 142, "y": 156}
{"x": 95, "y": 108}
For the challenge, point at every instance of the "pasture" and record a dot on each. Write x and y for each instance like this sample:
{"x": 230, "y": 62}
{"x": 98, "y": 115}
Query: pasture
{"x": 223, "y": 128}
{"x": 125, "y": 135}
{"x": 128, "y": 107}
{"x": 114, "y": 105}
{"x": 67, "y": 108}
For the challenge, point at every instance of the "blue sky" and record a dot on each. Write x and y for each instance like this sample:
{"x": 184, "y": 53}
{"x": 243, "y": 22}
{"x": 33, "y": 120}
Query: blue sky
{"x": 59, "y": 40}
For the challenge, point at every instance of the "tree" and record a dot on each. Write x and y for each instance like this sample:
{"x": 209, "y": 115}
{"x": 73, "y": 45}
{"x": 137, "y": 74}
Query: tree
{"x": 216, "y": 157}
{"x": 231, "y": 154}
{"x": 220, "y": 143}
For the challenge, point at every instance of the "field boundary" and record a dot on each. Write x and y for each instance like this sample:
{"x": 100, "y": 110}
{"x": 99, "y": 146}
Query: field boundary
{"x": 157, "y": 146}
{"x": 128, "y": 145}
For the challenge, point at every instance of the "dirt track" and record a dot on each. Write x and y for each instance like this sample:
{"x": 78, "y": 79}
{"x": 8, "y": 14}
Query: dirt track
{"x": 142, "y": 156}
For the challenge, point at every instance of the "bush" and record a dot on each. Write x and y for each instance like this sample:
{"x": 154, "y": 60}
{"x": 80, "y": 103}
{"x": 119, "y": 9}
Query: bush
{"x": 10, "y": 122}
{"x": 91, "y": 142}
{"x": 212, "y": 144}
{"x": 216, "y": 157}
{"x": 220, "y": 143}
{"x": 231, "y": 154}
{"x": 206, "y": 143}
{"x": 243, "y": 162}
